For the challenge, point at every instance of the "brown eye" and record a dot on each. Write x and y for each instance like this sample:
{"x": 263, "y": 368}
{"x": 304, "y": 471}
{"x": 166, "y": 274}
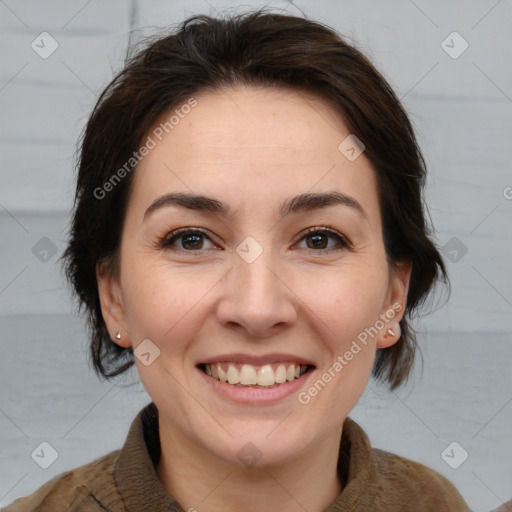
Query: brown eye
{"x": 318, "y": 241}
{"x": 191, "y": 241}
{"x": 318, "y": 238}
{"x": 188, "y": 240}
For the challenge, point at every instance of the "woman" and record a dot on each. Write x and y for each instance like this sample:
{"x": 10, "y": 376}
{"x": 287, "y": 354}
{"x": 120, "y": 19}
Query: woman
{"x": 249, "y": 231}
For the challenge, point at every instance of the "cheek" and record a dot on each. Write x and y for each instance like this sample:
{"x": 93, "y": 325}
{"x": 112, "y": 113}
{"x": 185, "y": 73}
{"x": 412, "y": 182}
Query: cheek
{"x": 347, "y": 299}
{"x": 160, "y": 301}
{"x": 348, "y": 307}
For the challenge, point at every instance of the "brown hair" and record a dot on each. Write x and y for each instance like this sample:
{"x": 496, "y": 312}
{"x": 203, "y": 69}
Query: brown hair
{"x": 260, "y": 49}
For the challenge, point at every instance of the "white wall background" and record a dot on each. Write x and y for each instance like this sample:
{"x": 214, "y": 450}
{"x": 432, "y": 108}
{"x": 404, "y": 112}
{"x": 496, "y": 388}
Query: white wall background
{"x": 462, "y": 110}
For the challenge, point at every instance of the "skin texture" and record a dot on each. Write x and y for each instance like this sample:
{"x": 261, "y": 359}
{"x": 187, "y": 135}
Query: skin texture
{"x": 252, "y": 148}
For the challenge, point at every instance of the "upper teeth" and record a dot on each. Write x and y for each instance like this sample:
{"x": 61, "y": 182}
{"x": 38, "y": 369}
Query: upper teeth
{"x": 248, "y": 375}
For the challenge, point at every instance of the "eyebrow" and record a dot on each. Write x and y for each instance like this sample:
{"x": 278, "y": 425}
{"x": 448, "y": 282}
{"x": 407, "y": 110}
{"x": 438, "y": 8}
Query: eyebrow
{"x": 301, "y": 203}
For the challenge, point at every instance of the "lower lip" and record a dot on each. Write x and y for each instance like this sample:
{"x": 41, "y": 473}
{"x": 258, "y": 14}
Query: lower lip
{"x": 251, "y": 395}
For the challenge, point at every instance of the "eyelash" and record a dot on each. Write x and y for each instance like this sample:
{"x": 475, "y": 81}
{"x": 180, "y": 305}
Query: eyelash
{"x": 167, "y": 241}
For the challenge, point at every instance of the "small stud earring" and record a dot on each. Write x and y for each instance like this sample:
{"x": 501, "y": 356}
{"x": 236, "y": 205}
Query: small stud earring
{"x": 118, "y": 335}
{"x": 391, "y": 332}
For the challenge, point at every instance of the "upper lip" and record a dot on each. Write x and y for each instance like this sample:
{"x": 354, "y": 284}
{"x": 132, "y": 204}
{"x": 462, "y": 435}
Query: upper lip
{"x": 257, "y": 360}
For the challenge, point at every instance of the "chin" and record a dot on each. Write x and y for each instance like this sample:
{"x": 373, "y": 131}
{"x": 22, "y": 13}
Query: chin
{"x": 258, "y": 444}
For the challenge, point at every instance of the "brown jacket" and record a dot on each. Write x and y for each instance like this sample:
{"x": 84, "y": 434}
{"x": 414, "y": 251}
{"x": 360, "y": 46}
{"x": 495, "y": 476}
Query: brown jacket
{"x": 126, "y": 481}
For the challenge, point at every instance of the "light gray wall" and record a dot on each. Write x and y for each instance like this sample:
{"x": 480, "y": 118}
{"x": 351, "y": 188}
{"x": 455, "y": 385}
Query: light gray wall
{"x": 462, "y": 110}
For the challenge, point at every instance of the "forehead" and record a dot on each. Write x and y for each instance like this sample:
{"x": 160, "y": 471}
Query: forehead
{"x": 248, "y": 143}
{"x": 241, "y": 119}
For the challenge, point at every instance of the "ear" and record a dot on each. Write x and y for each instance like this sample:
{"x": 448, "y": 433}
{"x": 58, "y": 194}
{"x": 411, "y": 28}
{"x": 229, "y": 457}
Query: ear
{"x": 112, "y": 308}
{"x": 394, "y": 307}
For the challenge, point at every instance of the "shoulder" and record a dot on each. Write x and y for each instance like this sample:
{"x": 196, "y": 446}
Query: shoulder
{"x": 506, "y": 507}
{"x": 413, "y": 483}
{"x": 79, "y": 489}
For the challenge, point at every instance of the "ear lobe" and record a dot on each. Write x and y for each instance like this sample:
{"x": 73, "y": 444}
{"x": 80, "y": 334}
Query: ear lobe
{"x": 112, "y": 307}
{"x": 390, "y": 335}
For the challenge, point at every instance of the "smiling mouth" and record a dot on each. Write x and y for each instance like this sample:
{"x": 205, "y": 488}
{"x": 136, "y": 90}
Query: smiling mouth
{"x": 246, "y": 375}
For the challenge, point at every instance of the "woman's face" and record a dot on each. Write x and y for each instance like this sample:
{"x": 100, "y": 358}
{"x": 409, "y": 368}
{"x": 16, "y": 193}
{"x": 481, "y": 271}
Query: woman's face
{"x": 250, "y": 285}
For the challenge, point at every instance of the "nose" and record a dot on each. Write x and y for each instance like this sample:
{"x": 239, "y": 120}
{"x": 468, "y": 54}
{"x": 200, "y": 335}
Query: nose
{"x": 256, "y": 297}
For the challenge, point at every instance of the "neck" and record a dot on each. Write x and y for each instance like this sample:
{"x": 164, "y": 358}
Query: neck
{"x": 199, "y": 480}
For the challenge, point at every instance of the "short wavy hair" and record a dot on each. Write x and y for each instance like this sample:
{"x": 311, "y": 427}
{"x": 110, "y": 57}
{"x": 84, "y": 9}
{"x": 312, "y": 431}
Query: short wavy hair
{"x": 258, "y": 48}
